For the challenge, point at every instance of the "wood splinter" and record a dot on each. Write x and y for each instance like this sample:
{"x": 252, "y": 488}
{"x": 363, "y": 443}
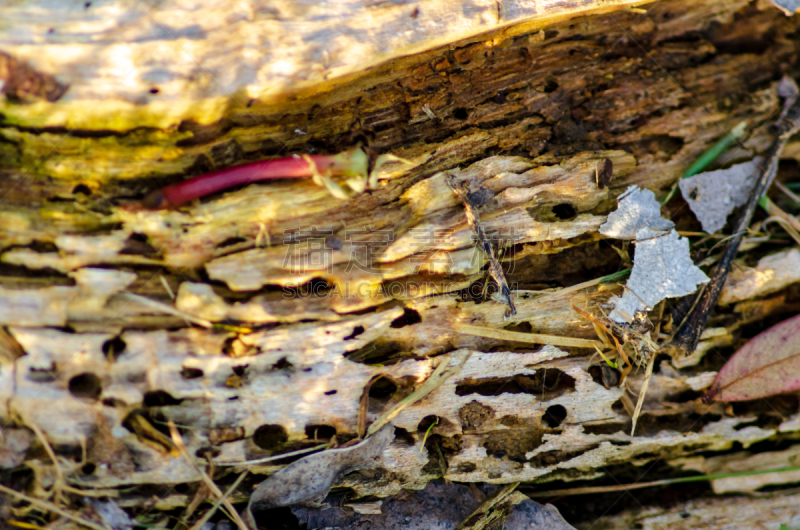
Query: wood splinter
{"x": 474, "y": 220}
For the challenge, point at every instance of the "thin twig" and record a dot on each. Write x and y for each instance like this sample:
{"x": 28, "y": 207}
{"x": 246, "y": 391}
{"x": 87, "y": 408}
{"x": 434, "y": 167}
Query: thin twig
{"x": 434, "y": 381}
{"x": 168, "y": 309}
{"x": 274, "y": 457}
{"x": 474, "y": 220}
{"x": 687, "y": 336}
{"x": 363, "y": 405}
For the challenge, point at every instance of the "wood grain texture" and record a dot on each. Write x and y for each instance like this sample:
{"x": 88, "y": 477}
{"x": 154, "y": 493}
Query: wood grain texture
{"x": 523, "y": 108}
{"x": 144, "y": 64}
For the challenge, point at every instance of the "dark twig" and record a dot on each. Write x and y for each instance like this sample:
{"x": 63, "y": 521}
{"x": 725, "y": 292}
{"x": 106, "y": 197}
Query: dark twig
{"x": 474, "y": 220}
{"x": 687, "y": 336}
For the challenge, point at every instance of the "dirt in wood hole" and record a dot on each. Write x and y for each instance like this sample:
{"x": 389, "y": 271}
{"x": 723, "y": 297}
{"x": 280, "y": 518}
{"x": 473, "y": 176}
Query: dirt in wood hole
{"x": 473, "y": 415}
{"x": 513, "y": 443}
{"x": 545, "y": 384}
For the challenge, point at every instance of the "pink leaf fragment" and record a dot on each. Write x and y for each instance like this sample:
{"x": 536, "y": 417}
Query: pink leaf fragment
{"x": 767, "y": 365}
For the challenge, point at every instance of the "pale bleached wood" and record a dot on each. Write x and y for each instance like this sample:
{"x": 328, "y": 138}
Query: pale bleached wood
{"x": 202, "y": 58}
{"x": 65, "y": 272}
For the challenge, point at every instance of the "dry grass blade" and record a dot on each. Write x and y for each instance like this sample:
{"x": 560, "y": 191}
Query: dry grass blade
{"x": 786, "y": 191}
{"x": 484, "y": 511}
{"x": 598, "y": 324}
{"x": 516, "y": 336}
{"x": 281, "y": 456}
{"x": 168, "y": 309}
{"x": 215, "y": 507}
{"x": 49, "y": 506}
{"x": 648, "y": 373}
{"x": 786, "y": 225}
{"x": 148, "y": 433}
{"x": 439, "y": 376}
{"x": 178, "y": 440}
{"x": 59, "y": 482}
{"x": 585, "y": 285}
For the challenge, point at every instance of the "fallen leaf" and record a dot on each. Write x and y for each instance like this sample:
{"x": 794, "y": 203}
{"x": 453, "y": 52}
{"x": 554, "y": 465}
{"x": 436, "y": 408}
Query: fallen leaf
{"x": 767, "y": 365}
{"x": 662, "y": 268}
{"x": 713, "y": 195}
{"x": 308, "y": 480}
{"x": 637, "y": 209}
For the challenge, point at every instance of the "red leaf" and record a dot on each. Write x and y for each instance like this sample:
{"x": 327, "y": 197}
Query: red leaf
{"x": 767, "y": 365}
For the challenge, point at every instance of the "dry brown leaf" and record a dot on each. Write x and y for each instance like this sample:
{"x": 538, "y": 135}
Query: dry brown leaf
{"x": 309, "y": 479}
{"x": 767, "y": 365}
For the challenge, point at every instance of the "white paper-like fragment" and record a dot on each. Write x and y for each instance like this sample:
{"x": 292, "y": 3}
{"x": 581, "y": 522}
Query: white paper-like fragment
{"x": 637, "y": 209}
{"x": 713, "y": 195}
{"x": 787, "y": 6}
{"x": 662, "y": 268}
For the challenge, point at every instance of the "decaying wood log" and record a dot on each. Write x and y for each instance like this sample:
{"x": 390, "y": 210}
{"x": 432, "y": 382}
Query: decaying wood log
{"x": 764, "y": 511}
{"x": 280, "y": 304}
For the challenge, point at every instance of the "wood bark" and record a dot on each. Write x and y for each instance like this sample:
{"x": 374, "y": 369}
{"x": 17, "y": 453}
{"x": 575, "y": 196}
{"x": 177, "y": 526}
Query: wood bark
{"x": 270, "y": 349}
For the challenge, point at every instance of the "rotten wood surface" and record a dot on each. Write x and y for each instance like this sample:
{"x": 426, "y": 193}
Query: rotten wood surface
{"x": 522, "y": 114}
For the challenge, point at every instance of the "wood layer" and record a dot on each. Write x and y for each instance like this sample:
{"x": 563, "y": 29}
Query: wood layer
{"x": 281, "y": 356}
